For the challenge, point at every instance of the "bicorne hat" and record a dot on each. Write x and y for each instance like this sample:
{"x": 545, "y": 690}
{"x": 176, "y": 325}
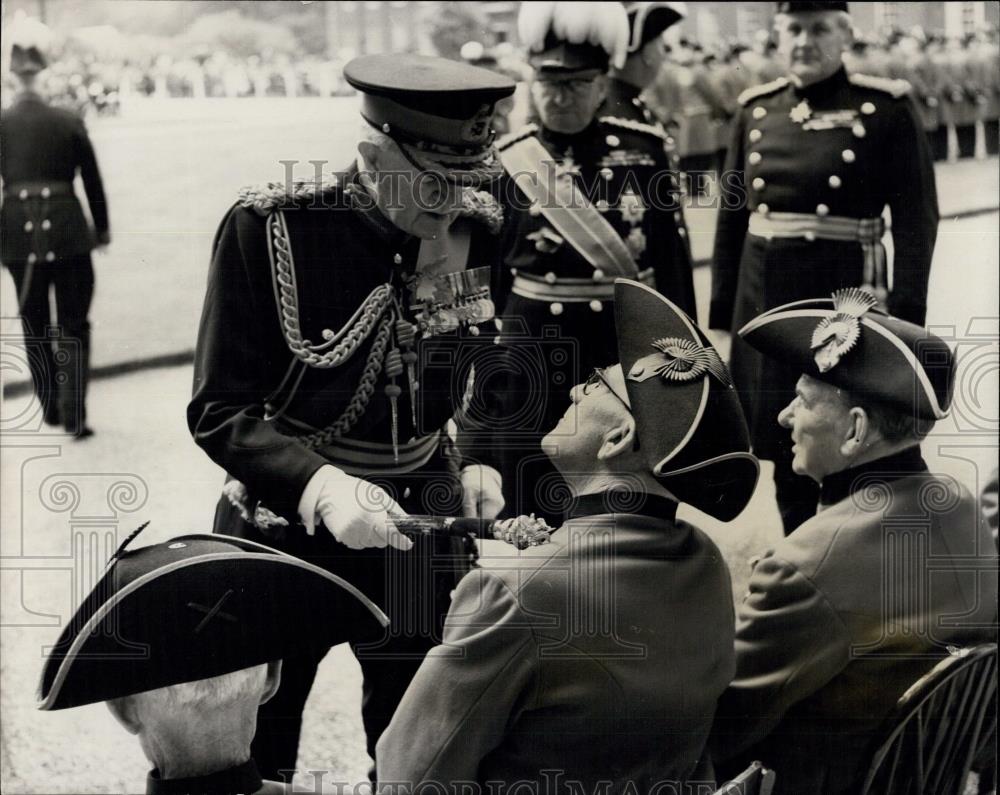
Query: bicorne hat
{"x": 194, "y": 607}
{"x": 688, "y": 417}
{"x": 849, "y": 342}
{"x": 648, "y": 20}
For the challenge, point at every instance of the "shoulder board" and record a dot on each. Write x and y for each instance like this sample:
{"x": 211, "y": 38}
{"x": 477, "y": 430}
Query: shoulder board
{"x": 269, "y": 196}
{"x": 636, "y": 126}
{"x": 896, "y": 87}
{"x": 513, "y": 137}
{"x": 763, "y": 90}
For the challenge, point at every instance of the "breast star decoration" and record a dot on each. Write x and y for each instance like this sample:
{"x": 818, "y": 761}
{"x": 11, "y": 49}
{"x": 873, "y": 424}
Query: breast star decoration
{"x": 632, "y": 208}
{"x": 801, "y": 112}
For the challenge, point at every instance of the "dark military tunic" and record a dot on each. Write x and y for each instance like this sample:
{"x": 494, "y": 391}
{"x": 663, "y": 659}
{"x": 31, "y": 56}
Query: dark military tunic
{"x": 271, "y": 419}
{"x": 45, "y": 241}
{"x": 819, "y": 663}
{"x": 552, "y": 340}
{"x": 850, "y": 147}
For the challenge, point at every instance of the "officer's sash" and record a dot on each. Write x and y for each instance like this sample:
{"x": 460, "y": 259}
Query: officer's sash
{"x": 568, "y": 210}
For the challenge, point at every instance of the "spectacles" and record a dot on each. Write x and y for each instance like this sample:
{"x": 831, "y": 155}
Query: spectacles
{"x": 598, "y": 377}
{"x": 578, "y": 86}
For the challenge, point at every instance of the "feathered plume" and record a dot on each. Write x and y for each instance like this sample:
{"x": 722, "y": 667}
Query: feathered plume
{"x": 601, "y": 24}
{"x": 26, "y": 31}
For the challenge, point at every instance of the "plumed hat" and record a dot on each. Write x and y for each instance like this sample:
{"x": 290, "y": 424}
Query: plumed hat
{"x": 688, "y": 417}
{"x": 570, "y": 37}
{"x": 194, "y": 607}
{"x": 30, "y": 41}
{"x": 850, "y": 343}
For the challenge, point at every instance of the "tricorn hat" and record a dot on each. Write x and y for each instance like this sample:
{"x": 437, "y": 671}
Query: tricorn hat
{"x": 30, "y": 40}
{"x": 574, "y": 37}
{"x": 194, "y": 607}
{"x": 437, "y": 110}
{"x": 850, "y": 343}
{"x": 647, "y": 20}
{"x": 688, "y": 417}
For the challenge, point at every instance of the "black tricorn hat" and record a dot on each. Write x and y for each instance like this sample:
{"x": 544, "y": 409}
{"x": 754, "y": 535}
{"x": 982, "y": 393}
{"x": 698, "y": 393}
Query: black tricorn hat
{"x": 688, "y": 417}
{"x": 796, "y": 8}
{"x": 194, "y": 607}
{"x": 647, "y": 20}
{"x": 850, "y": 343}
{"x": 26, "y": 60}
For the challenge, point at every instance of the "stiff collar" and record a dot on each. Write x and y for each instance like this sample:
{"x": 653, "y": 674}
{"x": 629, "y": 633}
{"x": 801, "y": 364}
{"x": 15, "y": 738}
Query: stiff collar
{"x": 841, "y": 485}
{"x": 563, "y": 141}
{"x": 622, "y": 502}
{"x": 240, "y": 780}
{"x": 824, "y": 88}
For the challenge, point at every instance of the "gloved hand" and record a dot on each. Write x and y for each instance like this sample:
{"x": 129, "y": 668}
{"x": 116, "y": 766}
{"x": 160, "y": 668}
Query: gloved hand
{"x": 482, "y": 495}
{"x": 355, "y": 511}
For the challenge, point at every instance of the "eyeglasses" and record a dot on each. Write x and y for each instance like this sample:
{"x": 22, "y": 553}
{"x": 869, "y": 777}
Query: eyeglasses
{"x": 598, "y": 377}
{"x": 575, "y": 87}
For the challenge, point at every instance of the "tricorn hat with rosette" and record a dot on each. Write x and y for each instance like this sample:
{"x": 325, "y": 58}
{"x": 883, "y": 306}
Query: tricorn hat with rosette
{"x": 688, "y": 417}
{"x": 194, "y": 607}
{"x": 648, "y": 20}
{"x": 849, "y": 342}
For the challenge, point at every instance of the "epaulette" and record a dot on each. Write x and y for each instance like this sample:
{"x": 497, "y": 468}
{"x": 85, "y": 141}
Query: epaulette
{"x": 269, "y": 196}
{"x": 762, "y": 90}
{"x": 635, "y": 126}
{"x": 897, "y": 87}
{"x": 514, "y": 137}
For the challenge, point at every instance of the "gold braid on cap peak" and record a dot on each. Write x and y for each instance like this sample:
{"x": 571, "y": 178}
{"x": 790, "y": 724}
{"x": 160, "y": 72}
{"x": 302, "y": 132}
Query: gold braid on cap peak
{"x": 685, "y": 360}
{"x": 836, "y": 335}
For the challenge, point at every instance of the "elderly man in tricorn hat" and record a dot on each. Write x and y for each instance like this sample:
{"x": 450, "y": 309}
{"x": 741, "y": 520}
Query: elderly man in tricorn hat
{"x": 325, "y": 371}
{"x": 597, "y": 658}
{"x": 850, "y": 610}
{"x": 184, "y": 640}
{"x": 814, "y": 159}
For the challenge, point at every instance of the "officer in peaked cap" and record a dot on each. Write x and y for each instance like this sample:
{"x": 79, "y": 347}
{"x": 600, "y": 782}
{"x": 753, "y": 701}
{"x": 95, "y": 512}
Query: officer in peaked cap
{"x": 814, "y": 159}
{"x": 183, "y": 640}
{"x": 331, "y": 357}
{"x": 604, "y": 205}
{"x": 661, "y": 427}
{"x": 819, "y": 661}
{"x": 46, "y": 241}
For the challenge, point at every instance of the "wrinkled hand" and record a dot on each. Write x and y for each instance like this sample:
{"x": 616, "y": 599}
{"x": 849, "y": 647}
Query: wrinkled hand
{"x": 482, "y": 495}
{"x": 356, "y": 512}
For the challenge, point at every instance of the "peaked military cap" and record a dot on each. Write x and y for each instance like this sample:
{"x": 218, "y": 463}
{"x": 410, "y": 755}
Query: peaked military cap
{"x": 574, "y": 37}
{"x": 194, "y": 607}
{"x": 688, "y": 417}
{"x": 648, "y": 20}
{"x": 850, "y": 343}
{"x": 438, "y": 111}
{"x": 796, "y": 8}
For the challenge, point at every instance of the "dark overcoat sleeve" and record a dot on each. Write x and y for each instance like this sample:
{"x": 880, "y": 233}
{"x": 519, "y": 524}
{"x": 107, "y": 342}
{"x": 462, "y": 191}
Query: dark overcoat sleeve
{"x": 914, "y": 207}
{"x": 237, "y": 365}
{"x": 467, "y": 691}
{"x": 789, "y": 643}
{"x": 92, "y": 183}
{"x": 730, "y": 230}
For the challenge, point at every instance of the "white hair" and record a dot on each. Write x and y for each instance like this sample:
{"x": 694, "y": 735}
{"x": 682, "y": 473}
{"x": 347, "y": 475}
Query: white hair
{"x": 214, "y": 693}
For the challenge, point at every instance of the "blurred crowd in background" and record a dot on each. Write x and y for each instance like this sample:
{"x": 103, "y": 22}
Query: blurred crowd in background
{"x": 100, "y": 70}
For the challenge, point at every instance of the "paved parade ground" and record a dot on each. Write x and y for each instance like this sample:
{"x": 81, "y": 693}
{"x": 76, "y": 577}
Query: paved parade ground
{"x": 170, "y": 175}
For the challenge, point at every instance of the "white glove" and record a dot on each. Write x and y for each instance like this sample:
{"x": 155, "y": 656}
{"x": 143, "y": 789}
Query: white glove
{"x": 355, "y": 511}
{"x": 482, "y": 495}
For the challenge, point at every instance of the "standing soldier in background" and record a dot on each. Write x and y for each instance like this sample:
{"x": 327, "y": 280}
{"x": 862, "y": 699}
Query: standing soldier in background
{"x": 964, "y": 95}
{"x": 46, "y": 239}
{"x": 587, "y": 199}
{"x": 914, "y": 63}
{"x": 986, "y": 66}
{"x": 815, "y": 158}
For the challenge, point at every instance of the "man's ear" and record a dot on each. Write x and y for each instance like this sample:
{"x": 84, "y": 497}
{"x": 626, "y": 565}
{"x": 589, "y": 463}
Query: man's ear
{"x": 857, "y": 434}
{"x": 618, "y": 439}
{"x": 124, "y": 711}
{"x": 370, "y": 153}
{"x": 272, "y": 682}
{"x": 602, "y": 89}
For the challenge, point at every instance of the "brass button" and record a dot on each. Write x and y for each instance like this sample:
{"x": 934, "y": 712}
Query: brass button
{"x": 550, "y": 277}
{"x": 32, "y": 258}
{"x": 556, "y": 308}
{"x": 46, "y": 192}
{"x": 612, "y": 140}
{"x": 859, "y": 130}
{"x": 597, "y": 275}
{"x": 28, "y": 226}
{"x": 607, "y": 173}
{"x": 759, "y": 112}
{"x": 754, "y": 158}
{"x": 810, "y": 235}
{"x": 763, "y": 209}
{"x": 596, "y": 305}
{"x": 50, "y": 256}
{"x": 46, "y": 224}
{"x": 758, "y": 183}
{"x": 681, "y": 231}
{"x": 822, "y": 210}
{"x": 868, "y": 109}
{"x": 23, "y": 194}
{"x": 848, "y": 155}
{"x": 834, "y": 181}
{"x": 755, "y": 135}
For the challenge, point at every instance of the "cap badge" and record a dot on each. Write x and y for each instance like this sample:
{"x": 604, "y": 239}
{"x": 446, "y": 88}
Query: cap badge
{"x": 476, "y": 129}
{"x": 681, "y": 361}
{"x": 801, "y": 112}
{"x": 836, "y": 335}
